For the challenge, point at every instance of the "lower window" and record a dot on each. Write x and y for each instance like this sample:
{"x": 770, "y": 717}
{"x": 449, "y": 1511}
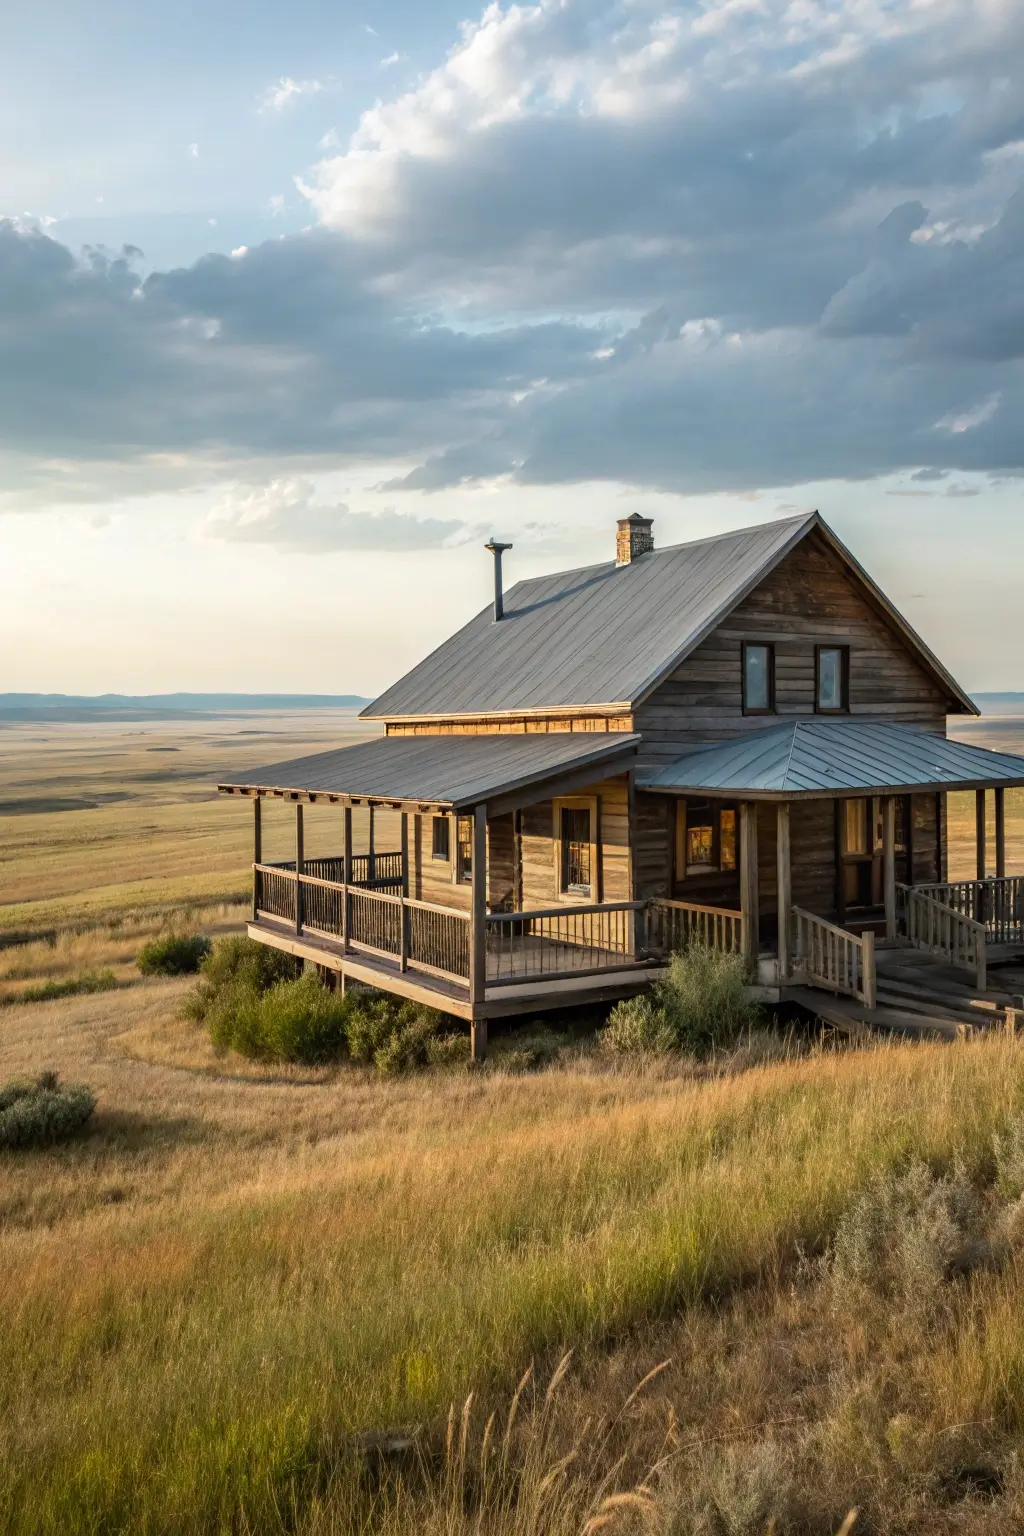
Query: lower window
{"x": 705, "y": 838}
{"x": 441, "y": 841}
{"x": 575, "y": 829}
{"x": 464, "y": 850}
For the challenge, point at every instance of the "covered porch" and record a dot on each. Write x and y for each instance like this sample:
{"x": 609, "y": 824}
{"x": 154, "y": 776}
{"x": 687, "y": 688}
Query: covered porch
{"x": 441, "y": 917}
{"x": 842, "y": 848}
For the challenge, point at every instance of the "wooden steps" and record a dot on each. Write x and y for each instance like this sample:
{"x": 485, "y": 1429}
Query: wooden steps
{"x": 919, "y": 996}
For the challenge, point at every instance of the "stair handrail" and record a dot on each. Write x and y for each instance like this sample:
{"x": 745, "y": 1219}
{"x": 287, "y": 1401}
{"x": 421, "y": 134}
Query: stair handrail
{"x": 834, "y": 958}
{"x": 937, "y": 929}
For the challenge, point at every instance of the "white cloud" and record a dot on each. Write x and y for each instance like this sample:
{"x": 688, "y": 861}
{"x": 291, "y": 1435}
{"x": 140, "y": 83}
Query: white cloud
{"x": 285, "y": 91}
{"x": 393, "y": 58}
{"x": 193, "y": 150}
{"x": 286, "y": 515}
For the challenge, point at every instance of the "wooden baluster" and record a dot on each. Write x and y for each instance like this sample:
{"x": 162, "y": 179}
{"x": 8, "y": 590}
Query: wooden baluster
{"x": 870, "y": 988}
{"x": 299, "y": 864}
{"x": 257, "y": 853}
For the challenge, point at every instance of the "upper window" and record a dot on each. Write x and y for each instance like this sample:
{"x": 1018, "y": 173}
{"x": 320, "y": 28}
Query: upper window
{"x": 442, "y": 839}
{"x": 759, "y": 679}
{"x": 833, "y": 671}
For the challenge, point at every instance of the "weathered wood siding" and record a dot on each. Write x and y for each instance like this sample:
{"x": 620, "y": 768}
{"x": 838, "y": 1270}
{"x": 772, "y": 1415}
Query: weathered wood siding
{"x": 653, "y": 832}
{"x": 511, "y": 725}
{"x": 809, "y": 600}
{"x": 538, "y": 851}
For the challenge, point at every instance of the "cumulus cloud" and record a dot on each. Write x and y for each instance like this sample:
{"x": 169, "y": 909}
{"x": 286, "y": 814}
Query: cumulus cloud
{"x": 286, "y": 515}
{"x": 689, "y": 248}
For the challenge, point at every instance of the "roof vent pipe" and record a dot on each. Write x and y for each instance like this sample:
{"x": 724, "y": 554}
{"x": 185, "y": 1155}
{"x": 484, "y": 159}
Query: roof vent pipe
{"x": 497, "y": 550}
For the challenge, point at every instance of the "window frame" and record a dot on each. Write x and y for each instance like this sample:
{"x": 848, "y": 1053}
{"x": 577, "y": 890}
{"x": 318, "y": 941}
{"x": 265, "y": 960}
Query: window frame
{"x": 769, "y": 647}
{"x": 462, "y": 872}
{"x": 436, "y": 824}
{"x": 843, "y": 652}
{"x": 590, "y": 804}
{"x": 683, "y": 872}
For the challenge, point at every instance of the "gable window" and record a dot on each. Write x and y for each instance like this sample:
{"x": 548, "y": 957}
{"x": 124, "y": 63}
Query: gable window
{"x": 464, "y": 850}
{"x": 442, "y": 839}
{"x": 758, "y": 679}
{"x": 576, "y": 872}
{"x": 833, "y": 679}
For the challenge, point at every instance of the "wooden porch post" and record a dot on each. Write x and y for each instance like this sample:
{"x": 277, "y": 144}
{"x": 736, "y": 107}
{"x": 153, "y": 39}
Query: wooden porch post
{"x": 478, "y": 934}
{"x": 404, "y": 957}
{"x": 371, "y": 854}
{"x": 300, "y": 864}
{"x": 980, "y": 821}
{"x": 1000, "y": 833}
{"x": 889, "y": 863}
{"x": 749, "y": 899}
{"x": 257, "y": 852}
{"x": 347, "y": 873}
{"x": 785, "y": 883}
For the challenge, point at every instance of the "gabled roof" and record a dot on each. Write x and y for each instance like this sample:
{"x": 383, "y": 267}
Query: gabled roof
{"x": 605, "y": 636}
{"x": 455, "y": 771}
{"x": 834, "y": 757}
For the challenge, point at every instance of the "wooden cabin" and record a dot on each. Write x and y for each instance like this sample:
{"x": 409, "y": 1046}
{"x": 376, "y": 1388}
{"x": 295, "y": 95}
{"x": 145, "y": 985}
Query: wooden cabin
{"x": 739, "y": 739}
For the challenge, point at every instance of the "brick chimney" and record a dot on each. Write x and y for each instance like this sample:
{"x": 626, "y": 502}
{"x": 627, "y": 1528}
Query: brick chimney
{"x": 633, "y": 537}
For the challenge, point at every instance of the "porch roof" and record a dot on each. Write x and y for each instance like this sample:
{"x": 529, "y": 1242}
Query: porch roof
{"x": 452, "y": 772}
{"x": 818, "y": 758}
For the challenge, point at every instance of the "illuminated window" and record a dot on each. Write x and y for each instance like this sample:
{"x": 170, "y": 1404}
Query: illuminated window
{"x": 727, "y": 840}
{"x": 464, "y": 849}
{"x": 856, "y": 827}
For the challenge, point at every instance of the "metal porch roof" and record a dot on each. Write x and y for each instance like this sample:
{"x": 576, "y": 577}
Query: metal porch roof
{"x": 456, "y": 771}
{"x": 818, "y": 757}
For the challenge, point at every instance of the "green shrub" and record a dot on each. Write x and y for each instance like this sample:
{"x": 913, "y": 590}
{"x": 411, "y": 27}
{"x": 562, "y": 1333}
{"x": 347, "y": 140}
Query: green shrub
{"x": 393, "y": 1037}
{"x": 701, "y": 1004}
{"x": 238, "y": 964}
{"x": 637, "y": 1027}
{"x": 527, "y": 1050}
{"x": 76, "y": 986}
{"x": 294, "y": 1021}
{"x": 448, "y": 1051}
{"x": 173, "y": 955}
{"x": 39, "y": 1112}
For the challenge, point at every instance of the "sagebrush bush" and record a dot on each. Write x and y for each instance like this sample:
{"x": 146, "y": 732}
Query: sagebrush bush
{"x": 40, "y": 1111}
{"x": 393, "y": 1037}
{"x": 701, "y": 1004}
{"x": 173, "y": 955}
{"x": 238, "y": 962}
{"x": 908, "y": 1233}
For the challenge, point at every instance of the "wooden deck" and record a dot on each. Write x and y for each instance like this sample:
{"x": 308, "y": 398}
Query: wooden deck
{"x": 564, "y": 984}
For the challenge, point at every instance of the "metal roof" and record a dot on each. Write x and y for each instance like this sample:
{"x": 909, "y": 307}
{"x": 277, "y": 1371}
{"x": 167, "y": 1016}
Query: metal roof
{"x": 833, "y": 757}
{"x": 455, "y": 771}
{"x": 607, "y": 635}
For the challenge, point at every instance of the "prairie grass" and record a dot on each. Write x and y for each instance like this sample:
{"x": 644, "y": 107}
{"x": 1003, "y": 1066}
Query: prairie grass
{"x": 232, "y": 1282}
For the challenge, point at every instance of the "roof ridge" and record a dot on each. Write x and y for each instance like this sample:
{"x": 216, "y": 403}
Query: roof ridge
{"x": 670, "y": 549}
{"x": 792, "y": 748}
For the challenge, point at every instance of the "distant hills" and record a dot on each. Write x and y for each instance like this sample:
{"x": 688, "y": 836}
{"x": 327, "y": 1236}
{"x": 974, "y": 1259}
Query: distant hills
{"x": 161, "y": 706}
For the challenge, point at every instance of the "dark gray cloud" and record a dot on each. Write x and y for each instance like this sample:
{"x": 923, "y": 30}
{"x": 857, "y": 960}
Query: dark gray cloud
{"x": 689, "y": 248}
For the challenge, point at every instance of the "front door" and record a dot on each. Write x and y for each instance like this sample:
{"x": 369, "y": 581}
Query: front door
{"x": 860, "y": 874}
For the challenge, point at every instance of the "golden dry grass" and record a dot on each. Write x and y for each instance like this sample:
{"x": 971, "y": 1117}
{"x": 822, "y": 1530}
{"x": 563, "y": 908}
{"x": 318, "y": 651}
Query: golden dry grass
{"x": 218, "y": 1306}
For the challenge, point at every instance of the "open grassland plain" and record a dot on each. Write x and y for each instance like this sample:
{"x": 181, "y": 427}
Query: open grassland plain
{"x": 690, "y": 1299}
{"x": 102, "y": 822}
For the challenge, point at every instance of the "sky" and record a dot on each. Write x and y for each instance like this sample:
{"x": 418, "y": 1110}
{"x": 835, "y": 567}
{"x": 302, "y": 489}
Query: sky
{"x": 300, "y": 304}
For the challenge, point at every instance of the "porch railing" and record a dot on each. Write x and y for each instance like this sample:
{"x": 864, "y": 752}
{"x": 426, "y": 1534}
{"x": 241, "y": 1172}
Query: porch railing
{"x": 834, "y": 959}
{"x": 375, "y": 871}
{"x": 937, "y": 929}
{"x": 996, "y": 903}
{"x": 556, "y": 942}
{"x": 673, "y": 926}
